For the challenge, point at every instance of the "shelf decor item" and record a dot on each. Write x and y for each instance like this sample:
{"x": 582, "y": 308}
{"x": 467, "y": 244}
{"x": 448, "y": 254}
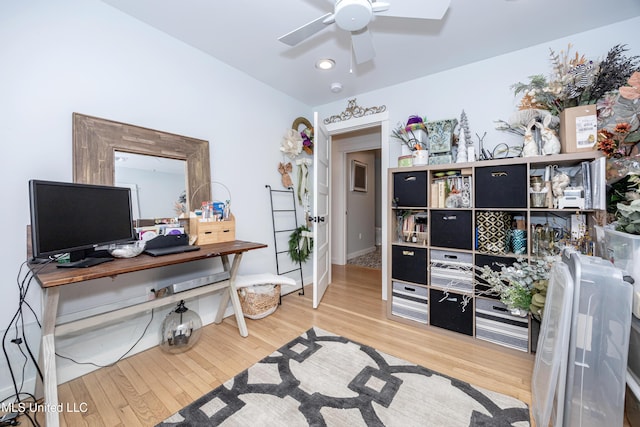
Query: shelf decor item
{"x": 441, "y": 135}
{"x": 420, "y": 157}
{"x": 492, "y": 231}
{"x": 578, "y": 128}
{"x": 413, "y": 134}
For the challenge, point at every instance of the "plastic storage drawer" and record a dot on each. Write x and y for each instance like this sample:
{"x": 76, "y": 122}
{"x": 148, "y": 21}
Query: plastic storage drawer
{"x": 451, "y": 229}
{"x": 410, "y": 302}
{"x": 448, "y": 312}
{"x": 409, "y": 264}
{"x": 451, "y": 270}
{"x": 496, "y": 324}
{"x": 410, "y": 188}
{"x": 502, "y": 186}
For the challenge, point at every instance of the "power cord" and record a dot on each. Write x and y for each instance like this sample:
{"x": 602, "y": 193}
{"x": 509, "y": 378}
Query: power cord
{"x": 19, "y": 338}
{"x": 119, "y": 358}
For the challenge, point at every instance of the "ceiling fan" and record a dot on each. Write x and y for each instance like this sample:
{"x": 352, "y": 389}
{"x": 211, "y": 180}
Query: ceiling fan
{"x": 355, "y": 15}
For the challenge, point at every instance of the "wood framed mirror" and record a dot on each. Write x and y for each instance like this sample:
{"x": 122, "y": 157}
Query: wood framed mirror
{"x": 96, "y": 140}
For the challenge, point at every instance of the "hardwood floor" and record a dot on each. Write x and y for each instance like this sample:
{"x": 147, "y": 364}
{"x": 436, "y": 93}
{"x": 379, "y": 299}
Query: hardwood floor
{"x": 144, "y": 389}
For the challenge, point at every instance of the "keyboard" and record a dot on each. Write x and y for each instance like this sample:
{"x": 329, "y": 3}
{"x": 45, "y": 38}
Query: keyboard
{"x": 168, "y": 250}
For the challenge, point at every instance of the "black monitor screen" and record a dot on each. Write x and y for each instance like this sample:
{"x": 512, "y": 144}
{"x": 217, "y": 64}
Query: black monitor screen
{"x": 74, "y": 218}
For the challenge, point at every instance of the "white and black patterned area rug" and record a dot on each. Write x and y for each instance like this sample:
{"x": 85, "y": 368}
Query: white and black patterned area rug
{"x": 321, "y": 379}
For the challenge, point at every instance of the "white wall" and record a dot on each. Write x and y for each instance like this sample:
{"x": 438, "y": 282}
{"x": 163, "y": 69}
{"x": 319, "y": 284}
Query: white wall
{"x": 483, "y": 89}
{"x": 84, "y": 56}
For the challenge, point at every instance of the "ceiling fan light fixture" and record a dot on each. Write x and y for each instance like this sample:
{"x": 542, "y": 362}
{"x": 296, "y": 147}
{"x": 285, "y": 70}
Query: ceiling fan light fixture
{"x": 325, "y": 64}
{"x": 353, "y": 15}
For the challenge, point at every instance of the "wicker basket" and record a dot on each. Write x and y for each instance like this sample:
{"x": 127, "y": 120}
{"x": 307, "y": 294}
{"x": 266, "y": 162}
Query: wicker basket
{"x": 259, "y": 301}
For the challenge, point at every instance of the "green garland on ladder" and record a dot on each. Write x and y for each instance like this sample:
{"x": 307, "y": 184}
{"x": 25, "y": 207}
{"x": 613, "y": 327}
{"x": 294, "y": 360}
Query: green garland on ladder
{"x": 300, "y": 244}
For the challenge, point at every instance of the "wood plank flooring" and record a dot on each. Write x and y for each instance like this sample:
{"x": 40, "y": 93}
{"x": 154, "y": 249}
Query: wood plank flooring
{"x": 144, "y": 389}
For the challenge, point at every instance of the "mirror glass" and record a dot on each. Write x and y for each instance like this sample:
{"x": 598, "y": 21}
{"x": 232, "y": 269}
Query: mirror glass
{"x": 158, "y": 184}
{"x": 97, "y": 142}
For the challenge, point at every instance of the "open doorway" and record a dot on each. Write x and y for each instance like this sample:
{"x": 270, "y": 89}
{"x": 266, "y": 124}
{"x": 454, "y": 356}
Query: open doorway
{"x": 356, "y": 210}
{"x": 369, "y": 132}
{"x": 364, "y": 210}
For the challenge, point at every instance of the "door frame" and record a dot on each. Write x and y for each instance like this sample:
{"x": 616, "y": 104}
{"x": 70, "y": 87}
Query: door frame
{"x": 337, "y": 190}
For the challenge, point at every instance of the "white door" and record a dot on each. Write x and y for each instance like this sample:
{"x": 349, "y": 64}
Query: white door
{"x": 320, "y": 212}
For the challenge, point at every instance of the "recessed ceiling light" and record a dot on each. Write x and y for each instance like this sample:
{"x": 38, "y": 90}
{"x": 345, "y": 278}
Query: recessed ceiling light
{"x": 325, "y": 64}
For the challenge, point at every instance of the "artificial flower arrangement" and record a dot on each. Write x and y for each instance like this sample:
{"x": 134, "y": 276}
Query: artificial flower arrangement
{"x": 613, "y": 85}
{"x": 576, "y": 80}
{"x": 295, "y": 141}
{"x": 522, "y": 286}
{"x": 619, "y": 119}
{"x": 307, "y": 140}
{"x": 291, "y": 144}
{"x": 409, "y": 134}
{"x": 619, "y": 116}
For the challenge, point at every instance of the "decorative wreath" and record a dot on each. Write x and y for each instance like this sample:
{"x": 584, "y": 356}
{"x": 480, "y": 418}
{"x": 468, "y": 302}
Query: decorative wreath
{"x": 300, "y": 244}
{"x": 306, "y": 133}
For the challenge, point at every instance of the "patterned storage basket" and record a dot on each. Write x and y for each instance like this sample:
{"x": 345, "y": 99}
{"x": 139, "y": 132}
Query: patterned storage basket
{"x": 259, "y": 301}
{"x": 493, "y": 231}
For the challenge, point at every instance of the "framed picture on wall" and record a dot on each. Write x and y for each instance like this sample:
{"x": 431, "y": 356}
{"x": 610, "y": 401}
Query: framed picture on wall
{"x": 358, "y": 176}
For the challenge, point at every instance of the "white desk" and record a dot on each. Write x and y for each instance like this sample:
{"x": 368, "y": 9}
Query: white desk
{"x": 51, "y": 279}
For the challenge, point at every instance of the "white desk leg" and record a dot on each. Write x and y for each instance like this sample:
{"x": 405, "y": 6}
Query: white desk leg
{"x": 231, "y": 293}
{"x": 47, "y": 357}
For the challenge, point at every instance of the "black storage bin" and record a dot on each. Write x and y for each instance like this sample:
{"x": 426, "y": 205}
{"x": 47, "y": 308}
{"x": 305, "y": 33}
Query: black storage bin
{"x": 410, "y": 188}
{"x": 451, "y": 229}
{"x": 447, "y": 312}
{"x": 501, "y": 186}
{"x": 495, "y": 263}
{"x": 409, "y": 264}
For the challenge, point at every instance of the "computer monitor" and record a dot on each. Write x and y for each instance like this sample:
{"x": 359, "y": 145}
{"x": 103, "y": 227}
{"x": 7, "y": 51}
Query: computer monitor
{"x": 76, "y": 218}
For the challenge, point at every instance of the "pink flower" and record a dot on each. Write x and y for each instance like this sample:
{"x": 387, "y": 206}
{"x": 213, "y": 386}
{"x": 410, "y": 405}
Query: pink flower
{"x": 605, "y": 105}
{"x": 633, "y": 90}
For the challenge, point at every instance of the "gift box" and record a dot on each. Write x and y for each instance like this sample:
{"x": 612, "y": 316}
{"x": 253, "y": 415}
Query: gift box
{"x": 578, "y": 129}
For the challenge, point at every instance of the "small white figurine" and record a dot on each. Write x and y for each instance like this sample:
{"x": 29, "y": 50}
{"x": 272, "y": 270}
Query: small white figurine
{"x": 559, "y": 182}
{"x": 551, "y": 143}
{"x": 530, "y": 146}
{"x": 462, "y": 149}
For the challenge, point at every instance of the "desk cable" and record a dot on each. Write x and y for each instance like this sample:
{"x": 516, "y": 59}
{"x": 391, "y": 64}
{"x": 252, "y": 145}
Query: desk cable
{"x": 97, "y": 365}
{"x": 16, "y": 325}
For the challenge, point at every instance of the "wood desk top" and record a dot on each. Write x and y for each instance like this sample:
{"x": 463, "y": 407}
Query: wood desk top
{"x": 50, "y": 275}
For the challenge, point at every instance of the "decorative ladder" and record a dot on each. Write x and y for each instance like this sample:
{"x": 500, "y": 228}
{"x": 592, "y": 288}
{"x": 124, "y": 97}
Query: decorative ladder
{"x": 286, "y": 213}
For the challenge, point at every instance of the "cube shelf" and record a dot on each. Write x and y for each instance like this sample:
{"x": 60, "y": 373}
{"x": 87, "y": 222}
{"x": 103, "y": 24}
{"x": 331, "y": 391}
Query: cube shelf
{"x": 448, "y": 221}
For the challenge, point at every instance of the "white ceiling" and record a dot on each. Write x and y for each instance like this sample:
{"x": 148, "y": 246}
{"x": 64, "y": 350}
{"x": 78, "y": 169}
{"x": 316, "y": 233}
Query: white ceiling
{"x": 244, "y": 34}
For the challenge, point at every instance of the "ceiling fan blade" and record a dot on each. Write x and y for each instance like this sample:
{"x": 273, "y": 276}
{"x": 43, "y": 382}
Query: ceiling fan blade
{"x": 432, "y": 9}
{"x": 307, "y": 30}
{"x": 362, "y": 43}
